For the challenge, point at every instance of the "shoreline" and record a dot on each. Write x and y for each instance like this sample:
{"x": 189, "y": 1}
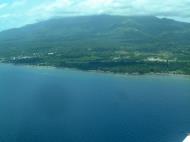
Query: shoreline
{"x": 98, "y": 71}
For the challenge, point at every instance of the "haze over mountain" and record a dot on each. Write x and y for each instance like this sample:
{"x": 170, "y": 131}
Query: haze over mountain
{"x": 16, "y": 13}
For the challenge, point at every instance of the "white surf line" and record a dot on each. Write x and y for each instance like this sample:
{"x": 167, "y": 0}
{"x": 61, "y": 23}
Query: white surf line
{"x": 187, "y": 139}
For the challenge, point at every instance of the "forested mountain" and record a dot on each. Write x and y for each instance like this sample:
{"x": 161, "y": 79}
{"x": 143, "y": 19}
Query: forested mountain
{"x": 111, "y": 43}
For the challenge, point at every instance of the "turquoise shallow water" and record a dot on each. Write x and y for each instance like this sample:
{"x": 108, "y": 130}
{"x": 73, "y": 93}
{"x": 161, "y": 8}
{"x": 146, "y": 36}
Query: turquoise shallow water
{"x": 54, "y": 105}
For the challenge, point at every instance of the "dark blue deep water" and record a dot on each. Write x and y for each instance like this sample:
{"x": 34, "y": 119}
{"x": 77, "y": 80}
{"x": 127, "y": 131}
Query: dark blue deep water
{"x": 54, "y": 105}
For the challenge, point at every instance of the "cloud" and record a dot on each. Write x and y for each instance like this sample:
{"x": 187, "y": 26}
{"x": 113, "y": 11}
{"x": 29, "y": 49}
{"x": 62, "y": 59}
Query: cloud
{"x": 20, "y": 12}
{"x": 51, "y": 6}
{"x": 157, "y": 7}
{"x": 5, "y": 16}
{"x": 131, "y": 7}
{"x": 3, "y": 5}
{"x": 18, "y": 3}
{"x": 48, "y": 9}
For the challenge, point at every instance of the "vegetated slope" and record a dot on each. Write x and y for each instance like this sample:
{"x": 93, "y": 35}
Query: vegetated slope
{"x": 78, "y": 41}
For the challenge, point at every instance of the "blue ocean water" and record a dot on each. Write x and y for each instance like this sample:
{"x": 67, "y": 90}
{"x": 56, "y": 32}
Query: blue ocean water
{"x": 55, "y": 105}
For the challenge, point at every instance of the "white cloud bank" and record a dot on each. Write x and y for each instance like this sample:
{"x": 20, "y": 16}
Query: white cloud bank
{"x": 3, "y": 5}
{"x": 187, "y": 139}
{"x": 20, "y": 12}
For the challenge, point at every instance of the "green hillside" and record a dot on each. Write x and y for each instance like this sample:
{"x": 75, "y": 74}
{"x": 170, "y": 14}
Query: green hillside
{"x": 136, "y": 44}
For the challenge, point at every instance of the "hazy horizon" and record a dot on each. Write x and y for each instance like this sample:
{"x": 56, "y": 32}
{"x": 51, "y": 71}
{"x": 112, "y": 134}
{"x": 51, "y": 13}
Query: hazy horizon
{"x": 17, "y": 13}
{"x": 57, "y": 17}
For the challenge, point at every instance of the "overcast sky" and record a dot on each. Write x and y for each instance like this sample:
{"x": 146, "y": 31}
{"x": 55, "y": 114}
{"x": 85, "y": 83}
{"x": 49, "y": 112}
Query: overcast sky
{"x": 16, "y": 13}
